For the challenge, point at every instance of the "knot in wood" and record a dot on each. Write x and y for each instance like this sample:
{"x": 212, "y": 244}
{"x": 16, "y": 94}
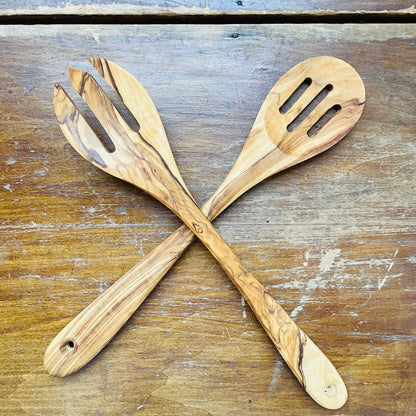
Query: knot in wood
{"x": 198, "y": 229}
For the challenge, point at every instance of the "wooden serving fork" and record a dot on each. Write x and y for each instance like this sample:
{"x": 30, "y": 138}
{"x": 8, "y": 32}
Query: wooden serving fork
{"x": 144, "y": 159}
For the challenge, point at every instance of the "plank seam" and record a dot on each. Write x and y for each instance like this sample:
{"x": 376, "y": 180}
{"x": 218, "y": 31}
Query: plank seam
{"x": 212, "y": 18}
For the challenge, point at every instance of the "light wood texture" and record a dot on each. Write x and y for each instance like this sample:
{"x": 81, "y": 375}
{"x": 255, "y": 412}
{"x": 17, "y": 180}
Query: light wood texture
{"x": 203, "y": 7}
{"x": 260, "y": 158}
{"x": 334, "y": 242}
{"x": 270, "y": 147}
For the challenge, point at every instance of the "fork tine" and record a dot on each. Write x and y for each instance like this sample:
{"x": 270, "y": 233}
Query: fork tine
{"x": 138, "y": 102}
{"x": 109, "y": 117}
{"x": 77, "y": 130}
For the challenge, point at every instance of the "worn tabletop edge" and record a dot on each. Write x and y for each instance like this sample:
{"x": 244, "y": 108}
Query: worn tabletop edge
{"x": 130, "y": 13}
{"x": 182, "y": 8}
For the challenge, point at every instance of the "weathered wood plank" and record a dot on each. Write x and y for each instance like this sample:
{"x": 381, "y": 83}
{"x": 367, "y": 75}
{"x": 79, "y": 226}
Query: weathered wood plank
{"x": 202, "y": 7}
{"x": 333, "y": 239}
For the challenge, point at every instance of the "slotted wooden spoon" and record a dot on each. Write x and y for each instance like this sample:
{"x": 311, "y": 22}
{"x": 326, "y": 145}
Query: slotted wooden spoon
{"x": 145, "y": 160}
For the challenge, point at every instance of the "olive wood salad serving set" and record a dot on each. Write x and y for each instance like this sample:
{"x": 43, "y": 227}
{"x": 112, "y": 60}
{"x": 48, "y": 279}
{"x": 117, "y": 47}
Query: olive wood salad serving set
{"x": 332, "y": 99}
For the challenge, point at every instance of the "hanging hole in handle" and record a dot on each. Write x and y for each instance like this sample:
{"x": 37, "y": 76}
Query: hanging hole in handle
{"x": 330, "y": 390}
{"x": 70, "y": 345}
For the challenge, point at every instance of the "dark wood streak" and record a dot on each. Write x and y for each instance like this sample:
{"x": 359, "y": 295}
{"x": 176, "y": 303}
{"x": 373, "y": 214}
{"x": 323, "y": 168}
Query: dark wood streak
{"x": 95, "y": 157}
{"x": 85, "y": 77}
{"x": 113, "y": 82}
{"x": 302, "y": 379}
{"x": 166, "y": 166}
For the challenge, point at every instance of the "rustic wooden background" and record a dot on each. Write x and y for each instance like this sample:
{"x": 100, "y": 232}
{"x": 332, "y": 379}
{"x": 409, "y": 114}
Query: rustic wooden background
{"x": 129, "y": 8}
{"x": 332, "y": 239}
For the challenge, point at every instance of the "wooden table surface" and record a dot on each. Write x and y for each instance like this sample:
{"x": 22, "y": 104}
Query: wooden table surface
{"x": 332, "y": 239}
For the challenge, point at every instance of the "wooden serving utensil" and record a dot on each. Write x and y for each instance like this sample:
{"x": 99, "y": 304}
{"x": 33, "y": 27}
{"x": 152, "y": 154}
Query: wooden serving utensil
{"x": 145, "y": 160}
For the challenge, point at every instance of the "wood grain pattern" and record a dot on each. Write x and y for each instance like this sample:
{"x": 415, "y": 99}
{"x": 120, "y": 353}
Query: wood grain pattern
{"x": 334, "y": 242}
{"x": 138, "y": 161}
{"x": 203, "y": 7}
{"x": 261, "y": 157}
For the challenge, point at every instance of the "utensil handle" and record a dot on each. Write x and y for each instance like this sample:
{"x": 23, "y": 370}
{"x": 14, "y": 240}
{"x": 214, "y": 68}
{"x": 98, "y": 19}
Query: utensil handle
{"x": 308, "y": 363}
{"x": 90, "y": 331}
{"x": 85, "y": 336}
